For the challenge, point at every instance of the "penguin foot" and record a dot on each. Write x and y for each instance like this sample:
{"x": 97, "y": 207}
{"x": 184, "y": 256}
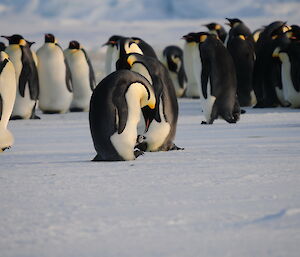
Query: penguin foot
{"x": 35, "y": 117}
{"x": 17, "y": 117}
{"x": 76, "y": 109}
{"x": 51, "y": 112}
{"x": 4, "y": 148}
{"x": 175, "y": 147}
{"x": 204, "y": 123}
{"x": 243, "y": 111}
{"x": 138, "y": 152}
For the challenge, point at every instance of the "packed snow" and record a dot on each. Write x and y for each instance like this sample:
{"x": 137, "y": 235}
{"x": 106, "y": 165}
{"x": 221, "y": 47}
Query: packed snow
{"x": 233, "y": 191}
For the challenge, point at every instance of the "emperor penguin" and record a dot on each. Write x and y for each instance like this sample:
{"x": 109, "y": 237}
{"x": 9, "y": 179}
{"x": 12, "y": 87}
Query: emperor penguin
{"x": 288, "y": 51}
{"x": 267, "y": 82}
{"x": 26, "y": 75}
{"x": 8, "y": 88}
{"x": 218, "y": 29}
{"x": 243, "y": 54}
{"x": 83, "y": 76}
{"x": 218, "y": 80}
{"x": 111, "y": 56}
{"x": 192, "y": 66}
{"x": 55, "y": 78}
{"x": 173, "y": 60}
{"x": 162, "y": 129}
{"x": 114, "y": 114}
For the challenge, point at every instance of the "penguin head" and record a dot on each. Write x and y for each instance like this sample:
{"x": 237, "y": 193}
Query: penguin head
{"x": 16, "y": 39}
{"x": 202, "y": 36}
{"x": 191, "y": 37}
{"x": 294, "y": 33}
{"x": 213, "y": 26}
{"x": 2, "y": 46}
{"x": 29, "y": 43}
{"x": 74, "y": 45}
{"x": 233, "y": 22}
{"x": 278, "y": 32}
{"x": 50, "y": 38}
{"x": 113, "y": 40}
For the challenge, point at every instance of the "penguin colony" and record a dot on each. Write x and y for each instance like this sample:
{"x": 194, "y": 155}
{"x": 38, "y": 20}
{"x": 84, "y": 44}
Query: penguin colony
{"x": 134, "y": 108}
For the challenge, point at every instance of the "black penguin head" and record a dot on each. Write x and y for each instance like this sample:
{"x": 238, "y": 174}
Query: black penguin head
{"x": 233, "y": 22}
{"x": 213, "y": 26}
{"x": 278, "y": 32}
{"x": 29, "y": 43}
{"x": 294, "y": 33}
{"x": 281, "y": 44}
{"x": 50, "y": 38}
{"x": 74, "y": 45}
{"x": 191, "y": 37}
{"x": 15, "y": 39}
{"x": 113, "y": 40}
{"x": 2, "y": 46}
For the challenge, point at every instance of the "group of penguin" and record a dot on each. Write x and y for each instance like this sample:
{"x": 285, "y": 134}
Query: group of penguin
{"x": 52, "y": 79}
{"x": 134, "y": 108}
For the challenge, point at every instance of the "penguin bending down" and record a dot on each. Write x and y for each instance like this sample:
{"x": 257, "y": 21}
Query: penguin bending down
{"x": 162, "y": 130}
{"x": 26, "y": 76}
{"x": 8, "y": 87}
{"x": 173, "y": 60}
{"x": 55, "y": 78}
{"x": 192, "y": 66}
{"x": 288, "y": 52}
{"x": 218, "y": 80}
{"x": 217, "y": 29}
{"x": 83, "y": 76}
{"x": 115, "y": 111}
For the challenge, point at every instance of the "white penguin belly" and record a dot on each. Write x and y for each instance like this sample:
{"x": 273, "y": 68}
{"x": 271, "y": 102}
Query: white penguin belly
{"x": 125, "y": 142}
{"x": 289, "y": 92}
{"x": 157, "y": 132}
{"x": 80, "y": 80}
{"x": 207, "y": 103}
{"x": 54, "y": 95}
{"x": 280, "y": 96}
{"x": 193, "y": 68}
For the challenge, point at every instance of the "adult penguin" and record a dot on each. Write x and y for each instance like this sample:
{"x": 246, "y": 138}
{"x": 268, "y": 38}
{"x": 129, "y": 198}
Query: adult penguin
{"x": 288, "y": 51}
{"x": 267, "y": 70}
{"x": 26, "y": 75}
{"x": 115, "y": 112}
{"x": 218, "y": 29}
{"x": 83, "y": 76}
{"x": 192, "y": 65}
{"x": 218, "y": 80}
{"x": 8, "y": 88}
{"x": 55, "y": 78}
{"x": 238, "y": 27}
{"x": 173, "y": 60}
{"x": 111, "y": 56}
{"x": 243, "y": 54}
{"x": 162, "y": 130}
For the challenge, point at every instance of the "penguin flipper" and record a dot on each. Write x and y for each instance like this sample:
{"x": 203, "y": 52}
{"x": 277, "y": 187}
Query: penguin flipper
{"x": 24, "y": 79}
{"x": 205, "y": 74}
{"x": 295, "y": 68}
{"x": 91, "y": 71}
{"x": 68, "y": 77}
{"x": 1, "y": 106}
{"x": 122, "y": 111}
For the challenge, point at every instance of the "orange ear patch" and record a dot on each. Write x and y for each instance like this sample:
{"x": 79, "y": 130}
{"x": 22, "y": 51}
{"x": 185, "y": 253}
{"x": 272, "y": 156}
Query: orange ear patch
{"x": 202, "y": 38}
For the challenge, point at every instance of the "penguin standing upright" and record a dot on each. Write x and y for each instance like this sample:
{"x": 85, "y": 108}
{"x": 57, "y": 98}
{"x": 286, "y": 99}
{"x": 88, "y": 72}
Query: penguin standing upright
{"x": 218, "y": 80}
{"x": 26, "y": 75}
{"x": 242, "y": 51}
{"x": 267, "y": 83}
{"x": 288, "y": 52}
{"x": 83, "y": 76}
{"x": 115, "y": 112}
{"x": 173, "y": 60}
{"x": 162, "y": 130}
{"x": 55, "y": 78}
{"x": 192, "y": 66}
{"x": 218, "y": 29}
{"x": 111, "y": 56}
{"x": 8, "y": 88}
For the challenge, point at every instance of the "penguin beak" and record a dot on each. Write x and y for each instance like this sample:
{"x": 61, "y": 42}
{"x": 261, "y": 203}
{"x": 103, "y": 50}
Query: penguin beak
{"x": 7, "y": 37}
{"x": 110, "y": 43}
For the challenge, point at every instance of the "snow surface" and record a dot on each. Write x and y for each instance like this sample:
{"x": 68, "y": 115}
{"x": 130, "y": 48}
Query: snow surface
{"x": 233, "y": 191}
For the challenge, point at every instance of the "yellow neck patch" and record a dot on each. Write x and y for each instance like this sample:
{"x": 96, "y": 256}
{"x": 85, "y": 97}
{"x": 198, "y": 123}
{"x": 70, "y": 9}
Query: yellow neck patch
{"x": 22, "y": 42}
{"x": 131, "y": 60}
{"x": 202, "y": 38}
{"x": 242, "y": 37}
{"x": 218, "y": 27}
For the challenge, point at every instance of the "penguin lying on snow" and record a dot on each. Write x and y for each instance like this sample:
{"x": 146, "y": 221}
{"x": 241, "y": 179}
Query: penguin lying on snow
{"x": 218, "y": 80}
{"x": 55, "y": 78}
{"x": 8, "y": 87}
{"x": 83, "y": 76}
{"x": 162, "y": 130}
{"x": 115, "y": 110}
{"x": 173, "y": 60}
{"x": 26, "y": 75}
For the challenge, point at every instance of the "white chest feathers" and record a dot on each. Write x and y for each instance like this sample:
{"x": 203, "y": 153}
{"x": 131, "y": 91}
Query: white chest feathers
{"x": 289, "y": 92}
{"x": 207, "y": 103}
